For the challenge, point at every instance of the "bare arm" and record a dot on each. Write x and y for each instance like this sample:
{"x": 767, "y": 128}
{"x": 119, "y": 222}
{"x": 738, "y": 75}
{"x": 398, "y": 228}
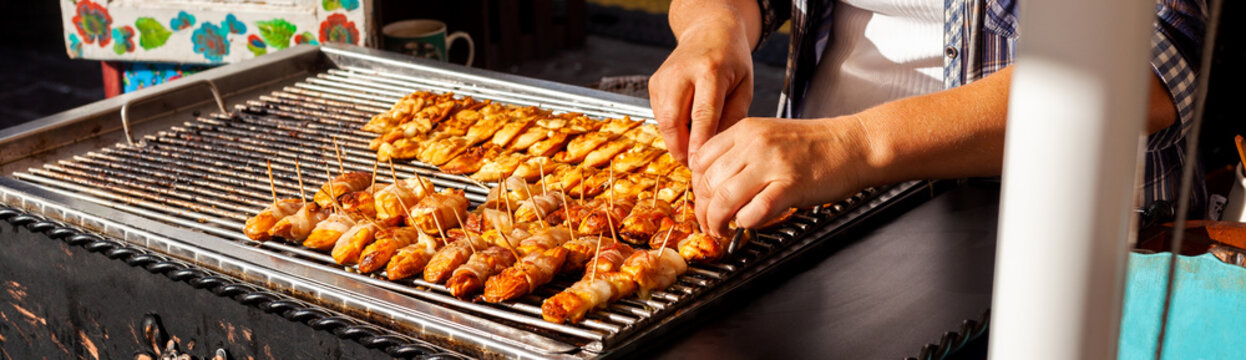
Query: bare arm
{"x": 706, "y": 84}
{"x": 740, "y": 16}
{"x": 958, "y": 132}
{"x": 760, "y": 167}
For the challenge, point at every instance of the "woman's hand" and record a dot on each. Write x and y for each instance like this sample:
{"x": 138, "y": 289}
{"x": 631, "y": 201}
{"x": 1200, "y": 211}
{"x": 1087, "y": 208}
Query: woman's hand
{"x": 761, "y": 166}
{"x": 707, "y": 82}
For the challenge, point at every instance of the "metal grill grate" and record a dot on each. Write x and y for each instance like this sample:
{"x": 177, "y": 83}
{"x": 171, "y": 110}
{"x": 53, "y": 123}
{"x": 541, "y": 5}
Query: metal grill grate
{"x": 210, "y": 175}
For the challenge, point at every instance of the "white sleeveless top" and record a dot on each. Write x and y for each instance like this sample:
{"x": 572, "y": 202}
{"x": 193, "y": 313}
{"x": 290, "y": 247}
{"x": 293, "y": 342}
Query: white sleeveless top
{"x": 880, "y": 50}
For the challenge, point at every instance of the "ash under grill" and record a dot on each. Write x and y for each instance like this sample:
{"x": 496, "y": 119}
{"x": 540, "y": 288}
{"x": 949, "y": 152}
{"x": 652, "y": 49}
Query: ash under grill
{"x": 210, "y": 175}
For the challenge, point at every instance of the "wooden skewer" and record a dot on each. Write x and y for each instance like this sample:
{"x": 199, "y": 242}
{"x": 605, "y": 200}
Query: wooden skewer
{"x": 657, "y": 185}
{"x": 341, "y": 167}
{"x": 466, "y": 232}
{"x": 684, "y": 205}
{"x": 444, "y": 242}
{"x": 609, "y": 222}
{"x": 272, "y": 185}
{"x": 510, "y": 215}
{"x": 664, "y": 240}
{"x": 298, "y": 171}
{"x": 405, "y": 211}
{"x": 507, "y": 240}
{"x": 545, "y": 192}
{"x": 336, "y": 207}
{"x": 375, "y": 164}
{"x": 567, "y": 210}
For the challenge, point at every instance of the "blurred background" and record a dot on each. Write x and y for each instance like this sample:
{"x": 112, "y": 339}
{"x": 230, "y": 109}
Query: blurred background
{"x": 608, "y": 44}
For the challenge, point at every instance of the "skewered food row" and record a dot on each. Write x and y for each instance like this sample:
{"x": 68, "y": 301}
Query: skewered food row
{"x": 575, "y": 197}
{"x": 491, "y": 141}
{"x": 521, "y": 239}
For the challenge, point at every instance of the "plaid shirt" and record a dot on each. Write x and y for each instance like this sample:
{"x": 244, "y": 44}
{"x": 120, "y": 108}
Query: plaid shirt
{"x": 980, "y": 38}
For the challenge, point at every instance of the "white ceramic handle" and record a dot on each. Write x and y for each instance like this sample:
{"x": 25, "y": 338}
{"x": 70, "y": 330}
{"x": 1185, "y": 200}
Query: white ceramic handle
{"x": 471, "y": 45}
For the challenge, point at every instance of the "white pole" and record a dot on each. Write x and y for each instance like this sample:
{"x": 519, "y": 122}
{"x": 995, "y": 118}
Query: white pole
{"x": 1075, "y": 119}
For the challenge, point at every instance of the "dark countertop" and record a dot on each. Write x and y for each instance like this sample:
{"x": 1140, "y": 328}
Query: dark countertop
{"x": 881, "y": 291}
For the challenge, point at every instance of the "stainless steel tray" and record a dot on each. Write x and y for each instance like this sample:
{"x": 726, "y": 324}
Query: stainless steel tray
{"x": 191, "y": 176}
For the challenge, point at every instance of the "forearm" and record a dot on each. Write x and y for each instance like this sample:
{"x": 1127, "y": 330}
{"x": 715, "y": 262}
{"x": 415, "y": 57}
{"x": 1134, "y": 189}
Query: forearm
{"x": 740, "y": 17}
{"x": 957, "y": 132}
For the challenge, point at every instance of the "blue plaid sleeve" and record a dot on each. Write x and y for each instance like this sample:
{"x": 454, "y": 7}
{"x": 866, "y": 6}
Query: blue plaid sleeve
{"x": 1176, "y": 46}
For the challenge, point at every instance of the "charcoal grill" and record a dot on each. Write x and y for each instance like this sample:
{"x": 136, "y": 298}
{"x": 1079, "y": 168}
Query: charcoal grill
{"x": 179, "y": 168}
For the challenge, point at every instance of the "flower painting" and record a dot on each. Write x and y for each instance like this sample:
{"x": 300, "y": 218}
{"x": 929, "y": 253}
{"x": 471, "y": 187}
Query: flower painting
{"x": 276, "y": 32}
{"x": 211, "y": 41}
{"x": 125, "y": 40}
{"x": 93, "y": 22}
{"x": 338, "y": 29}
{"x": 185, "y": 32}
{"x": 256, "y": 45}
{"x": 152, "y": 34}
{"x": 183, "y": 20}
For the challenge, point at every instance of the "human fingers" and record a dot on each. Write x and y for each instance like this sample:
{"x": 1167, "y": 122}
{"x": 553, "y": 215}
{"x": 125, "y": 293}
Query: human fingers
{"x": 670, "y": 98}
{"x": 765, "y": 205}
{"x": 707, "y": 106}
{"x": 715, "y": 176}
{"x": 709, "y": 152}
{"x": 729, "y": 196}
{"x": 735, "y": 108}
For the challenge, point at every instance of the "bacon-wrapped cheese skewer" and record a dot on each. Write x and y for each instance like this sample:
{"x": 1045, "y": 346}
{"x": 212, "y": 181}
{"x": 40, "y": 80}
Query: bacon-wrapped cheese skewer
{"x": 391, "y": 199}
{"x": 671, "y": 232}
{"x": 654, "y": 270}
{"x": 361, "y": 203}
{"x": 603, "y": 216}
{"x": 543, "y": 239}
{"x": 377, "y": 254}
{"x": 609, "y": 259}
{"x": 535, "y": 269}
{"x": 602, "y": 284}
{"x": 450, "y": 257}
{"x": 299, "y": 225}
{"x": 341, "y": 185}
{"x": 536, "y": 208}
{"x": 326, "y": 233}
{"x": 703, "y": 248}
{"x": 581, "y": 251}
{"x": 587, "y": 294}
{"x": 644, "y": 221}
{"x": 484, "y": 264}
{"x": 438, "y": 211}
{"x": 411, "y": 259}
{"x": 348, "y": 246}
{"x": 257, "y": 227}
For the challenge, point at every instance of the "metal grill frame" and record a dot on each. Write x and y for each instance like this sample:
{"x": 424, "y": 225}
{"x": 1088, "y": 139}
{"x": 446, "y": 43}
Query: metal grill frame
{"x": 471, "y": 328}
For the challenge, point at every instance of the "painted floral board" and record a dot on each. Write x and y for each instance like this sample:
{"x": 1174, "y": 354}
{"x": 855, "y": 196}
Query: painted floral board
{"x": 208, "y": 31}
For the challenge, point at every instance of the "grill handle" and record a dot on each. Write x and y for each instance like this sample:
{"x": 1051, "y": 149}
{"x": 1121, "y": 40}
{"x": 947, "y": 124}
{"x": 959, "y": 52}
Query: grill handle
{"x": 125, "y": 108}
